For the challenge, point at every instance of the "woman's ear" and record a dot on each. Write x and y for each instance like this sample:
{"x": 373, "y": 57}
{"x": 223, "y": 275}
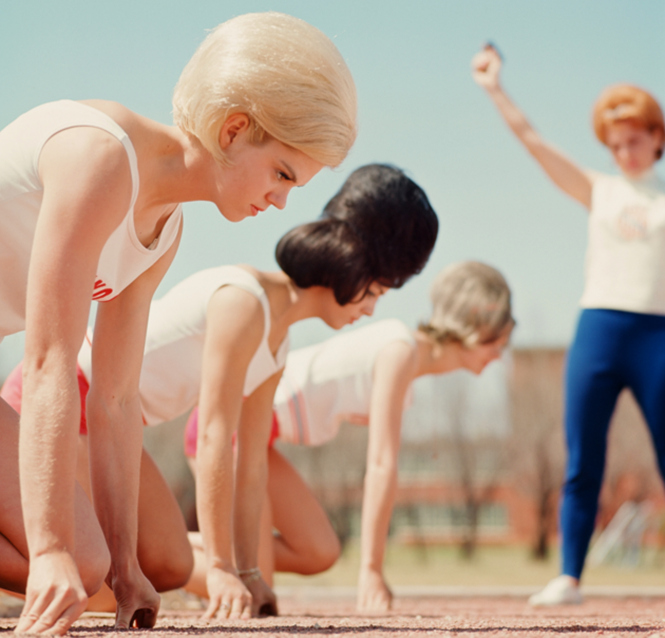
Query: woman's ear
{"x": 660, "y": 139}
{"x": 235, "y": 125}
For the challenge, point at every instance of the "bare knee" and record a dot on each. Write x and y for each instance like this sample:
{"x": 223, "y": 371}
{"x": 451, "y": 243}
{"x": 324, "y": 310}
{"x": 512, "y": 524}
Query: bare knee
{"x": 323, "y": 555}
{"x": 170, "y": 571}
{"x": 177, "y": 572}
{"x": 94, "y": 567}
{"x": 329, "y": 553}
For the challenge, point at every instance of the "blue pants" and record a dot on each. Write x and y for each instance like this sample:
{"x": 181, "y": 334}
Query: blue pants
{"x": 612, "y": 350}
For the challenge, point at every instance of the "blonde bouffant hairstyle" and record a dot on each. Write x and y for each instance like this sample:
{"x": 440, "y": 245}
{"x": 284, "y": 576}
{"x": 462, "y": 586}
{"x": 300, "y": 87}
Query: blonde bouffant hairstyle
{"x": 471, "y": 305}
{"x": 284, "y": 74}
{"x": 627, "y": 103}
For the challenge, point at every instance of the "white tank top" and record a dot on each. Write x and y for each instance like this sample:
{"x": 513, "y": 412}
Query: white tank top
{"x": 326, "y": 382}
{"x": 625, "y": 261}
{"x": 123, "y": 257}
{"x": 171, "y": 373}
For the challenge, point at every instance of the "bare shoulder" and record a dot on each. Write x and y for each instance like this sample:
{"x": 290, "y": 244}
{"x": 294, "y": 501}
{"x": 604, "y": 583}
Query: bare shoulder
{"x": 100, "y": 151}
{"x": 85, "y": 145}
{"x": 236, "y": 313}
{"x": 84, "y": 160}
{"x": 395, "y": 368}
{"x": 397, "y": 358}
{"x": 257, "y": 274}
{"x": 235, "y": 297}
{"x": 89, "y": 145}
{"x": 142, "y": 131}
{"x": 125, "y": 118}
{"x": 274, "y": 284}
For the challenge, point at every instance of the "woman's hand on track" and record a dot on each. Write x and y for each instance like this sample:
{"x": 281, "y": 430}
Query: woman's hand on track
{"x": 373, "y": 592}
{"x": 55, "y": 596}
{"x": 229, "y": 598}
{"x": 486, "y": 66}
{"x": 264, "y": 601}
{"x": 137, "y": 601}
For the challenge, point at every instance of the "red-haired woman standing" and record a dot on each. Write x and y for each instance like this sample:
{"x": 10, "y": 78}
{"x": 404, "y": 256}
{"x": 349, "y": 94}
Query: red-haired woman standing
{"x": 621, "y": 329}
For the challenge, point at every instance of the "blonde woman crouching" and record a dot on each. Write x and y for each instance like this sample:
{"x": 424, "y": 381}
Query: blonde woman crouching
{"x": 90, "y": 207}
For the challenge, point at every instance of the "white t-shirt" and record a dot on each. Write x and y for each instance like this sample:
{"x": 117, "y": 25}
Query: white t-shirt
{"x": 625, "y": 261}
{"x": 123, "y": 257}
{"x": 171, "y": 373}
{"x": 331, "y": 380}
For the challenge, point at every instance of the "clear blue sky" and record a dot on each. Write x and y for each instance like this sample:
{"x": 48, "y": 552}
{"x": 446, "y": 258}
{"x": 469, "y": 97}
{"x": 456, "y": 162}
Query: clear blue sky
{"x": 419, "y": 109}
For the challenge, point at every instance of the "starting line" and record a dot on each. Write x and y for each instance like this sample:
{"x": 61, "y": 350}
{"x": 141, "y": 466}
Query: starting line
{"x": 443, "y": 591}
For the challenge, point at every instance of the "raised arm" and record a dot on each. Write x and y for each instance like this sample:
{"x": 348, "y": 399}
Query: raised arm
{"x": 567, "y": 175}
{"x": 394, "y": 370}
{"x": 116, "y": 439}
{"x": 251, "y": 484}
{"x": 87, "y": 189}
{"x": 234, "y": 330}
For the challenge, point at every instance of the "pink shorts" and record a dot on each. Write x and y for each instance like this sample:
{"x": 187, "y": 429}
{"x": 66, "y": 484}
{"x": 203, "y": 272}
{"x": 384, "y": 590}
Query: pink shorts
{"x": 12, "y": 392}
{"x": 192, "y": 431}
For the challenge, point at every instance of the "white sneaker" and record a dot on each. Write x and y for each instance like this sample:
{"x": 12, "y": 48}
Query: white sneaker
{"x": 559, "y": 591}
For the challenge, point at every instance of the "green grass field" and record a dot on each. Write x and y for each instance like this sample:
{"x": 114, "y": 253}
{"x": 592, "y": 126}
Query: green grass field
{"x": 492, "y": 566}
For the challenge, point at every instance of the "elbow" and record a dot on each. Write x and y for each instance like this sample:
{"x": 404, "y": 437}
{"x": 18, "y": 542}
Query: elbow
{"x": 383, "y": 470}
{"x": 48, "y": 385}
{"x": 49, "y": 364}
{"x": 213, "y": 447}
{"x": 530, "y": 139}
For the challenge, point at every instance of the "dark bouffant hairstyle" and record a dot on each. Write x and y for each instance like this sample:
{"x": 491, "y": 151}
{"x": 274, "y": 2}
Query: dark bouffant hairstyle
{"x": 379, "y": 227}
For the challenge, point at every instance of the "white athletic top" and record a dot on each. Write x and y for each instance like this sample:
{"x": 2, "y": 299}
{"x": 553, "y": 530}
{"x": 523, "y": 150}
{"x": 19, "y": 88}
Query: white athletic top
{"x": 331, "y": 380}
{"x": 171, "y": 373}
{"x": 625, "y": 261}
{"x": 123, "y": 257}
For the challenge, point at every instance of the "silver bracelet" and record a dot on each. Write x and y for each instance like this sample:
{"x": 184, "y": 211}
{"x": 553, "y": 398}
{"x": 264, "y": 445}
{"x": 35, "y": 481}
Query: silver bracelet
{"x": 249, "y": 575}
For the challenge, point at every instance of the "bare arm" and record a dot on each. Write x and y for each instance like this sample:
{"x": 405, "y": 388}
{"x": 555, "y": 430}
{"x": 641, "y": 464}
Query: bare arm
{"x": 87, "y": 189}
{"x": 394, "y": 370}
{"x": 569, "y": 177}
{"x": 116, "y": 438}
{"x": 251, "y": 485}
{"x": 234, "y": 331}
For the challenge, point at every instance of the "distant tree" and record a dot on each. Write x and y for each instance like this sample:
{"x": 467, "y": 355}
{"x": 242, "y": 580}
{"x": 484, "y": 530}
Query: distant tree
{"x": 477, "y": 456}
{"x": 537, "y": 441}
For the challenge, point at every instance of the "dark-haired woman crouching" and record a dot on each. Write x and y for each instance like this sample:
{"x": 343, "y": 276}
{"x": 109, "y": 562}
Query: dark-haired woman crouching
{"x": 376, "y": 233}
